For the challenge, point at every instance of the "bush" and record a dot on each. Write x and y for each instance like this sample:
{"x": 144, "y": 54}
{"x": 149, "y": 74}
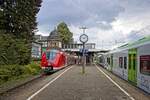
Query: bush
{"x": 33, "y": 68}
{"x": 16, "y": 70}
{"x": 36, "y": 59}
{"x": 4, "y": 74}
{"x": 14, "y": 51}
{"x": 11, "y": 72}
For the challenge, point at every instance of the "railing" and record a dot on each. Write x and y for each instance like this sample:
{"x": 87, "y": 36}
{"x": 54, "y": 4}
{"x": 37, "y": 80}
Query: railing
{"x": 78, "y": 46}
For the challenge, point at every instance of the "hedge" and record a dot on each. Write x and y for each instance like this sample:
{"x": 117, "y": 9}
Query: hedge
{"x": 11, "y": 72}
{"x": 14, "y": 51}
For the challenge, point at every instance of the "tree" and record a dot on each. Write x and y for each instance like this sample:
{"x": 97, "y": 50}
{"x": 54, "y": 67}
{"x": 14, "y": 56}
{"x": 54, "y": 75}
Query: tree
{"x": 13, "y": 51}
{"x": 1, "y": 16}
{"x": 19, "y": 17}
{"x": 64, "y": 33}
{"x": 18, "y": 20}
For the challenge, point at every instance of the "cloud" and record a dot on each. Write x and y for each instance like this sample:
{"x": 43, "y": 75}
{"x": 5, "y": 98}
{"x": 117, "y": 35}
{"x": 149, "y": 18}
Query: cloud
{"x": 104, "y": 25}
{"x": 136, "y": 16}
{"x": 77, "y": 12}
{"x": 109, "y": 22}
{"x": 103, "y": 39}
{"x": 136, "y": 35}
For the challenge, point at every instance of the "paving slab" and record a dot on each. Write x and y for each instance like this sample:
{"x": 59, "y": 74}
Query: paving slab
{"x": 135, "y": 92}
{"x": 73, "y": 85}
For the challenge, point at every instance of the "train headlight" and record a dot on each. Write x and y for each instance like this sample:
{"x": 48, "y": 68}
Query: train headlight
{"x": 49, "y": 64}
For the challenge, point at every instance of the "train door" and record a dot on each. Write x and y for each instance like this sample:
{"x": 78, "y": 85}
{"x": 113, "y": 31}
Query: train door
{"x": 132, "y": 66}
{"x": 125, "y": 68}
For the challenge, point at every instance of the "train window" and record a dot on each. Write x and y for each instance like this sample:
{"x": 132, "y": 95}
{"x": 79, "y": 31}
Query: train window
{"x": 125, "y": 62}
{"x": 129, "y": 61}
{"x": 120, "y": 62}
{"x": 47, "y": 55}
{"x": 112, "y": 60}
{"x": 52, "y": 55}
{"x": 108, "y": 61}
{"x": 145, "y": 64}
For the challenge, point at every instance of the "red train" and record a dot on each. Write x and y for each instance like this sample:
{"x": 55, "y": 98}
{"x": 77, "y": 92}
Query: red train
{"x": 54, "y": 59}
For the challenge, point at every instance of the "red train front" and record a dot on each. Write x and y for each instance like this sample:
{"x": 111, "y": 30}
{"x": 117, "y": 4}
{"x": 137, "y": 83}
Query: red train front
{"x": 52, "y": 60}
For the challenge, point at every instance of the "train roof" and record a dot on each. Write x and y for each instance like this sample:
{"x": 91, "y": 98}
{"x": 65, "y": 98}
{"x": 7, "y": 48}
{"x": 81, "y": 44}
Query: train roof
{"x": 140, "y": 42}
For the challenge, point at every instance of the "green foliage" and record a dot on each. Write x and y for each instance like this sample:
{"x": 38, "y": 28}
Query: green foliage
{"x": 4, "y": 74}
{"x": 13, "y": 72}
{"x": 64, "y": 33}
{"x": 18, "y": 17}
{"x": 13, "y": 51}
{"x": 17, "y": 27}
{"x": 9, "y": 71}
{"x": 32, "y": 68}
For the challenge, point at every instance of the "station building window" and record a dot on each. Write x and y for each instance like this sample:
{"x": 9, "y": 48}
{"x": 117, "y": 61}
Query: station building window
{"x": 65, "y": 46}
{"x": 145, "y": 64}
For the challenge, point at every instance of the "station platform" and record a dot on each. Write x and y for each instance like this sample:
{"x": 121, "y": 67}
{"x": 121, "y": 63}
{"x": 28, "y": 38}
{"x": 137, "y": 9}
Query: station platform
{"x": 92, "y": 85}
{"x": 71, "y": 84}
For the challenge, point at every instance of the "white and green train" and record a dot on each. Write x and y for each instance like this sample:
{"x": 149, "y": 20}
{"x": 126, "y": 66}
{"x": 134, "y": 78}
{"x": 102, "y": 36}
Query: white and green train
{"x": 131, "y": 62}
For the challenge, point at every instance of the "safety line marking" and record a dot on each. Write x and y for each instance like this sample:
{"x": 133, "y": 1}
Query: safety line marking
{"x": 45, "y": 86}
{"x": 115, "y": 83}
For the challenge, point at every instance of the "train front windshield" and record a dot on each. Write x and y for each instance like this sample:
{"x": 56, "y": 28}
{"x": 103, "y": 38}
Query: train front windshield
{"x": 51, "y": 55}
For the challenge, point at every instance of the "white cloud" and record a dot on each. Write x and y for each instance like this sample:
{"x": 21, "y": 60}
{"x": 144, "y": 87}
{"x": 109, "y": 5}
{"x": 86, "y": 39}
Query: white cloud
{"x": 108, "y": 22}
{"x": 102, "y": 38}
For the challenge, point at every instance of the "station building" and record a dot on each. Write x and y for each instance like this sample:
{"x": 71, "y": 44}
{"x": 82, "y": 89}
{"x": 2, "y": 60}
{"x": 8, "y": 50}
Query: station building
{"x": 43, "y": 40}
{"x": 36, "y": 51}
{"x": 53, "y": 41}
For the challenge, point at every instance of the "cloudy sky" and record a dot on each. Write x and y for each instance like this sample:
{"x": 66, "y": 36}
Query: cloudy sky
{"x": 109, "y": 22}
